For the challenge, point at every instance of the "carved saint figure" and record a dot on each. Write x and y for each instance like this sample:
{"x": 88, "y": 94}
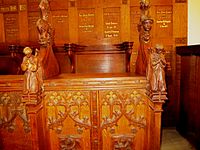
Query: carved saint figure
{"x": 30, "y": 66}
{"x": 145, "y": 43}
{"x": 156, "y": 69}
{"x": 44, "y": 28}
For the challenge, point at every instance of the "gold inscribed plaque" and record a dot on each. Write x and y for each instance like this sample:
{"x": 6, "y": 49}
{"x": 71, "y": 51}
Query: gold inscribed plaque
{"x": 86, "y": 24}
{"x": 111, "y": 22}
{"x": 60, "y": 22}
{"x": 11, "y": 24}
{"x": 163, "y": 21}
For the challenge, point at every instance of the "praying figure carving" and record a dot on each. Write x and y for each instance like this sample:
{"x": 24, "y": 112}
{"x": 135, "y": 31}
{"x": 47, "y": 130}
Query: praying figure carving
{"x": 144, "y": 28}
{"x": 30, "y": 66}
{"x": 156, "y": 69}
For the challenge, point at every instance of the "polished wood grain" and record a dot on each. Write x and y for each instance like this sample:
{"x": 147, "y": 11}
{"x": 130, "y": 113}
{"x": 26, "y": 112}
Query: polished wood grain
{"x": 189, "y": 102}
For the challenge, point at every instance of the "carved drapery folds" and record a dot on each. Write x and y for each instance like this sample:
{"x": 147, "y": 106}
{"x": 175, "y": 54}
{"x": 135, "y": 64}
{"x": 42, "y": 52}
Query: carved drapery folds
{"x": 11, "y": 107}
{"x": 156, "y": 73}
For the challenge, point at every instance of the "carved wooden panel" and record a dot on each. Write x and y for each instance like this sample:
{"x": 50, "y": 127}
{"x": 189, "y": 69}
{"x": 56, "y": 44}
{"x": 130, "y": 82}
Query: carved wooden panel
{"x": 112, "y": 26}
{"x": 32, "y": 29}
{"x": 86, "y": 26}
{"x": 93, "y": 114}
{"x": 60, "y": 23}
{"x": 69, "y": 115}
{"x": 120, "y": 108}
{"x": 164, "y": 21}
{"x": 11, "y": 23}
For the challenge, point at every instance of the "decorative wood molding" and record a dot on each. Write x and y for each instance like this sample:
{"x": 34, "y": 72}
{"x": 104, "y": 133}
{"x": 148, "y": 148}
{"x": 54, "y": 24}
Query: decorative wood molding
{"x": 181, "y": 40}
{"x": 180, "y": 1}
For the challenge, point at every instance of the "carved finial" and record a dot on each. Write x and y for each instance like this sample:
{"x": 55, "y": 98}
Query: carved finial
{"x": 44, "y": 8}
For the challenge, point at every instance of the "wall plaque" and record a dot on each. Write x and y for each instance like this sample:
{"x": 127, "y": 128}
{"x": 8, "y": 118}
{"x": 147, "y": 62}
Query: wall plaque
{"x": 11, "y": 24}
{"x": 111, "y": 22}
{"x": 163, "y": 21}
{"x": 32, "y": 29}
{"x": 86, "y": 24}
{"x": 134, "y": 21}
{"x": 60, "y": 22}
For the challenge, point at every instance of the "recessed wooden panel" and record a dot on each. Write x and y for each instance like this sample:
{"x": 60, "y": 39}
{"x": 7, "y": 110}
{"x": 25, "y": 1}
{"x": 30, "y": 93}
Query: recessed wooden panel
{"x": 58, "y": 4}
{"x": 112, "y": 2}
{"x": 86, "y": 3}
{"x": 111, "y": 18}
{"x": 86, "y": 26}
{"x": 32, "y": 29}
{"x": 164, "y": 21}
{"x": 134, "y": 20}
{"x": 100, "y": 63}
{"x": 10, "y": 1}
{"x": 11, "y": 24}
{"x": 60, "y": 23}
{"x": 33, "y": 5}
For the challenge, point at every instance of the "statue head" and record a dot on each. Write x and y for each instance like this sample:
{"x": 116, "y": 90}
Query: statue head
{"x": 27, "y": 51}
{"x": 147, "y": 23}
{"x": 159, "y": 48}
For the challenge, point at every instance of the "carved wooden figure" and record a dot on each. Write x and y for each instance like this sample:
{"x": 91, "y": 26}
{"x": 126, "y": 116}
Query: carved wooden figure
{"x": 144, "y": 28}
{"x": 156, "y": 69}
{"x": 30, "y": 66}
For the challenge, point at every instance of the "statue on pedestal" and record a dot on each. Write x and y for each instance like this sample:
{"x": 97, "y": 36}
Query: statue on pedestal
{"x": 46, "y": 56}
{"x": 30, "y": 66}
{"x": 156, "y": 69}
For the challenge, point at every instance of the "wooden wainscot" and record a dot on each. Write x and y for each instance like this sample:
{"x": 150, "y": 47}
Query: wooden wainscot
{"x": 102, "y": 111}
{"x": 21, "y": 125}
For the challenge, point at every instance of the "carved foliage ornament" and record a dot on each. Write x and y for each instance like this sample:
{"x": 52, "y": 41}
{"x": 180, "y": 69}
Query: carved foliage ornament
{"x": 11, "y": 108}
{"x": 129, "y": 103}
{"x": 65, "y": 104}
{"x": 71, "y": 142}
{"x": 123, "y": 142}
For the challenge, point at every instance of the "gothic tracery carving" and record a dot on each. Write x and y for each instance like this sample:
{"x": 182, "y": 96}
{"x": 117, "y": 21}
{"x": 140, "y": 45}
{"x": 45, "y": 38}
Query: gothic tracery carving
{"x": 11, "y": 107}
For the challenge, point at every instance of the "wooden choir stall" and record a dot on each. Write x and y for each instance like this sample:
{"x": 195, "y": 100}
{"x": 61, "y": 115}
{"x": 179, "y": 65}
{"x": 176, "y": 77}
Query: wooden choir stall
{"x": 100, "y": 105}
